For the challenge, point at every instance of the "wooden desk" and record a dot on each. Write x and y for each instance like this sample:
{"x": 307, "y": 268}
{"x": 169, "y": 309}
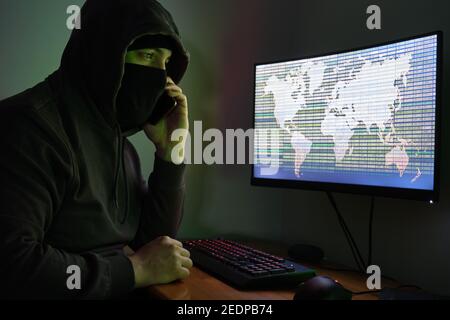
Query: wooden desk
{"x": 202, "y": 286}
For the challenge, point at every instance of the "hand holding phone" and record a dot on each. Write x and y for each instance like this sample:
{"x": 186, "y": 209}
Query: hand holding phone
{"x": 163, "y": 107}
{"x": 169, "y": 114}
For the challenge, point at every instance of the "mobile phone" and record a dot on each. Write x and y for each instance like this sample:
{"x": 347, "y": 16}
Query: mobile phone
{"x": 163, "y": 107}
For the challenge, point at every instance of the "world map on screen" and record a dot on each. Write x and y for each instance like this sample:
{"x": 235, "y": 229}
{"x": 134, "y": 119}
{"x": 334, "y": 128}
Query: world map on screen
{"x": 363, "y": 117}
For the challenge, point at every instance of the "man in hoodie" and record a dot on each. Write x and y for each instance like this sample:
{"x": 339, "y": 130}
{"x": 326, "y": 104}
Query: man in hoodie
{"x": 72, "y": 196}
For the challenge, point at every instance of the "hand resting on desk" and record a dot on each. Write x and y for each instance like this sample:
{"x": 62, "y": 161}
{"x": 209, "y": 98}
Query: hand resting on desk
{"x": 161, "y": 261}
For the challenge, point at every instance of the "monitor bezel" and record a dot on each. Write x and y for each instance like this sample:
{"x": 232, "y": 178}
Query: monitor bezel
{"x": 431, "y": 196}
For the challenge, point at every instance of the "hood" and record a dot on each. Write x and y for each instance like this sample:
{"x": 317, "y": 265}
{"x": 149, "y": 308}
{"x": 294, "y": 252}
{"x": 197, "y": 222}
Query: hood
{"x": 94, "y": 57}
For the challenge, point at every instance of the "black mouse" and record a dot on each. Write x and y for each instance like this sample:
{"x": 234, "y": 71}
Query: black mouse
{"x": 322, "y": 288}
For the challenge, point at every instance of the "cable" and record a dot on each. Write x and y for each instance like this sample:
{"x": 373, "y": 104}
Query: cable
{"x": 356, "y": 256}
{"x": 384, "y": 277}
{"x": 394, "y": 288}
{"x": 351, "y": 241}
{"x": 411, "y": 286}
{"x": 372, "y": 205}
{"x": 364, "y": 292}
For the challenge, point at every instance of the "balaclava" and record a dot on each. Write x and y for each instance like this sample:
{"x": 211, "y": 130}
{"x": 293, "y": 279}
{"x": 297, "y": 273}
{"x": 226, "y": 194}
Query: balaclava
{"x": 141, "y": 87}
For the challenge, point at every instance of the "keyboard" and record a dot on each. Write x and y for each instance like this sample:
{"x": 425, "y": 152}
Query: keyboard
{"x": 244, "y": 267}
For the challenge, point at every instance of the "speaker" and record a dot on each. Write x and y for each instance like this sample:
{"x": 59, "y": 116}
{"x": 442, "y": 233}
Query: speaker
{"x": 305, "y": 253}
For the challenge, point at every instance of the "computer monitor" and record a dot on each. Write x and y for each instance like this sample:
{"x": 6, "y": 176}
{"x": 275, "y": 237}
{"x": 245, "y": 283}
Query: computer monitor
{"x": 362, "y": 121}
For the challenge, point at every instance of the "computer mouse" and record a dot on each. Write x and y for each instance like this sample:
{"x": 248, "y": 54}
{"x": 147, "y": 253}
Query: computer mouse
{"x": 322, "y": 288}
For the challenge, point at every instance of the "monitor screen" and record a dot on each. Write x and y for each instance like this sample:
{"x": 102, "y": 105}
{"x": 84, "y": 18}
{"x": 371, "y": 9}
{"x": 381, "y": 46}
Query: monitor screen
{"x": 361, "y": 121}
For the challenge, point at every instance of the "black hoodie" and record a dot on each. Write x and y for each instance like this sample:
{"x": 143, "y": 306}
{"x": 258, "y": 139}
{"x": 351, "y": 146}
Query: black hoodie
{"x": 71, "y": 190}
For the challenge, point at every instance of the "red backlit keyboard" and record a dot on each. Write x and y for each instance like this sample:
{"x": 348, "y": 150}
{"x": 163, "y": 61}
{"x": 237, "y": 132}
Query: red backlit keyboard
{"x": 245, "y": 267}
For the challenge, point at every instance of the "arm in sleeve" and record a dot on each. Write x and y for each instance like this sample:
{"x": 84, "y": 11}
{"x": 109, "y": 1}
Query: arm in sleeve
{"x": 163, "y": 203}
{"x": 35, "y": 173}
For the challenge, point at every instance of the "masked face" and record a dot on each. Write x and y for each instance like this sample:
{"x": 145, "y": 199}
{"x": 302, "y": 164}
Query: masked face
{"x": 141, "y": 88}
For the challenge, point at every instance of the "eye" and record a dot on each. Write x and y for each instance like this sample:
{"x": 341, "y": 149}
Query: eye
{"x": 148, "y": 55}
